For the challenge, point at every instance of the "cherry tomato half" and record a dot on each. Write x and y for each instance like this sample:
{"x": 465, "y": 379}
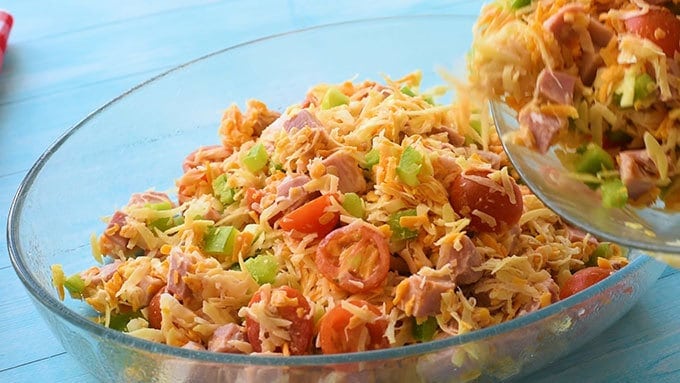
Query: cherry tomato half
{"x": 312, "y": 217}
{"x": 335, "y": 335}
{"x": 583, "y": 279}
{"x": 355, "y": 257}
{"x": 296, "y": 310}
{"x": 660, "y": 26}
{"x": 467, "y": 195}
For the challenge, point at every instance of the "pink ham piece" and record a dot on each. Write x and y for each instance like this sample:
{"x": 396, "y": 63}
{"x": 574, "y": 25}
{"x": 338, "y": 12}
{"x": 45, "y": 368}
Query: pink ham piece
{"x": 140, "y": 199}
{"x": 421, "y": 296}
{"x": 291, "y": 182}
{"x": 346, "y": 168}
{"x": 222, "y": 338}
{"x": 461, "y": 261}
{"x": 111, "y": 242}
{"x": 556, "y": 86}
{"x": 291, "y": 188}
{"x": 178, "y": 266}
{"x": 301, "y": 119}
{"x": 638, "y": 172}
{"x": 543, "y": 128}
{"x": 191, "y": 345}
{"x": 578, "y": 235}
{"x": 595, "y": 37}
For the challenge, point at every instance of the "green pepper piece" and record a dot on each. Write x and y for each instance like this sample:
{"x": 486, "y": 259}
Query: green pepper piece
{"x": 603, "y": 250}
{"x": 219, "y": 241}
{"x": 407, "y": 91}
{"x": 163, "y": 205}
{"x": 353, "y": 204}
{"x": 425, "y": 331}
{"x": 372, "y": 158}
{"x": 410, "y": 163}
{"x": 257, "y": 158}
{"x": 398, "y": 231}
{"x": 644, "y": 85}
{"x": 594, "y": 159}
{"x": 614, "y": 193}
{"x": 164, "y": 224}
{"x": 263, "y": 268}
{"x": 221, "y": 191}
{"x": 74, "y": 284}
{"x": 120, "y": 321}
{"x": 333, "y": 97}
{"x": 517, "y": 4}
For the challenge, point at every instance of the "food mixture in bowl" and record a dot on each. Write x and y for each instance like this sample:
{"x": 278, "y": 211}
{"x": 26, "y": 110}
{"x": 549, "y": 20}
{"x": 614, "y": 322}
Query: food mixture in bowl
{"x": 597, "y": 79}
{"x": 366, "y": 216}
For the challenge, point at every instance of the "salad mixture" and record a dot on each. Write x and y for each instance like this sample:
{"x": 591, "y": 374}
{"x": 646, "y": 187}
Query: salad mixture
{"x": 598, "y": 80}
{"x": 364, "y": 217}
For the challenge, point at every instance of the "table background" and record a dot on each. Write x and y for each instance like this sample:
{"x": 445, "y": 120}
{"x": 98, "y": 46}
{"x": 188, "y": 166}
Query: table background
{"x": 67, "y": 58}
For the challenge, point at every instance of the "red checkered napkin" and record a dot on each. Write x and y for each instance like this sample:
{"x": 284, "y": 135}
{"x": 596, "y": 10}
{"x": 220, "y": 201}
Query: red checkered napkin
{"x": 6, "y": 22}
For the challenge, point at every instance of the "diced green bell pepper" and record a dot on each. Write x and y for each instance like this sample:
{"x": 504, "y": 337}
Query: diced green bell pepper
{"x": 398, "y": 231}
{"x": 372, "y": 158}
{"x": 74, "y": 284}
{"x": 603, "y": 250}
{"x": 257, "y": 158}
{"x": 263, "y": 268}
{"x": 333, "y": 97}
{"x": 410, "y": 163}
{"x": 219, "y": 241}
{"x": 594, "y": 159}
{"x": 425, "y": 331}
{"x": 614, "y": 193}
{"x": 353, "y": 204}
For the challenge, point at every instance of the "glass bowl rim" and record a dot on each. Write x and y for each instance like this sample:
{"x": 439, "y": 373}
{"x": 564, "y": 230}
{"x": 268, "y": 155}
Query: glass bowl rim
{"x": 60, "y": 309}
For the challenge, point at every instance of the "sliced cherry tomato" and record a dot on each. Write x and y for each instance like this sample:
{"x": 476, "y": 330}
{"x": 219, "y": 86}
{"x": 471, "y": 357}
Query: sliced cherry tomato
{"x": 336, "y": 336}
{"x": 355, "y": 257}
{"x": 660, "y": 26}
{"x": 154, "y": 310}
{"x": 468, "y": 196}
{"x": 583, "y": 279}
{"x": 312, "y": 217}
{"x": 296, "y": 310}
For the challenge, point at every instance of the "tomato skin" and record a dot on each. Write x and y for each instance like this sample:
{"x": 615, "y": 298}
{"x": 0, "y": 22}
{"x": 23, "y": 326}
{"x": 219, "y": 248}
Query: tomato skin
{"x": 466, "y": 196}
{"x": 583, "y": 279}
{"x": 336, "y": 338}
{"x": 355, "y": 257}
{"x": 154, "y": 310}
{"x": 302, "y": 326}
{"x": 660, "y": 18}
{"x": 312, "y": 217}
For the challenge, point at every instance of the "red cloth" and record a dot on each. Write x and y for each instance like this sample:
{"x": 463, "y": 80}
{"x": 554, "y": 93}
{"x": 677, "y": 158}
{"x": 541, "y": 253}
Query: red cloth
{"x": 6, "y": 22}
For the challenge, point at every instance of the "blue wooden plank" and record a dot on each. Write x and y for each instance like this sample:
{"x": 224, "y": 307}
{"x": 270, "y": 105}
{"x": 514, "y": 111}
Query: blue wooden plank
{"x": 60, "y": 368}
{"x": 76, "y": 16}
{"x": 21, "y": 326}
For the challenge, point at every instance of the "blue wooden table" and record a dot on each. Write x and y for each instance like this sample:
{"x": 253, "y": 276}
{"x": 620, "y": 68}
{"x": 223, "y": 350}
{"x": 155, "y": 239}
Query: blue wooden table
{"x": 67, "y": 58}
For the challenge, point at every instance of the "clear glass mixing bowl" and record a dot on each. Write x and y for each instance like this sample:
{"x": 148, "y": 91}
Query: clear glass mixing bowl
{"x": 139, "y": 140}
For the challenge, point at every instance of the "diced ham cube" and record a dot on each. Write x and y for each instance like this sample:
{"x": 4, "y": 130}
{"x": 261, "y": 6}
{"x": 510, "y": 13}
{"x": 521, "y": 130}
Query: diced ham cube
{"x": 461, "y": 260}
{"x": 638, "y": 172}
{"x": 224, "y": 336}
{"x": 421, "y": 296}
{"x": 544, "y": 128}
{"x": 556, "y": 86}
{"x": 343, "y": 165}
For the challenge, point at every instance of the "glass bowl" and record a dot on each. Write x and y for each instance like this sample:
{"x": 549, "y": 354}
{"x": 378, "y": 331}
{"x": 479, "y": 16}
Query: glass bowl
{"x": 139, "y": 139}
